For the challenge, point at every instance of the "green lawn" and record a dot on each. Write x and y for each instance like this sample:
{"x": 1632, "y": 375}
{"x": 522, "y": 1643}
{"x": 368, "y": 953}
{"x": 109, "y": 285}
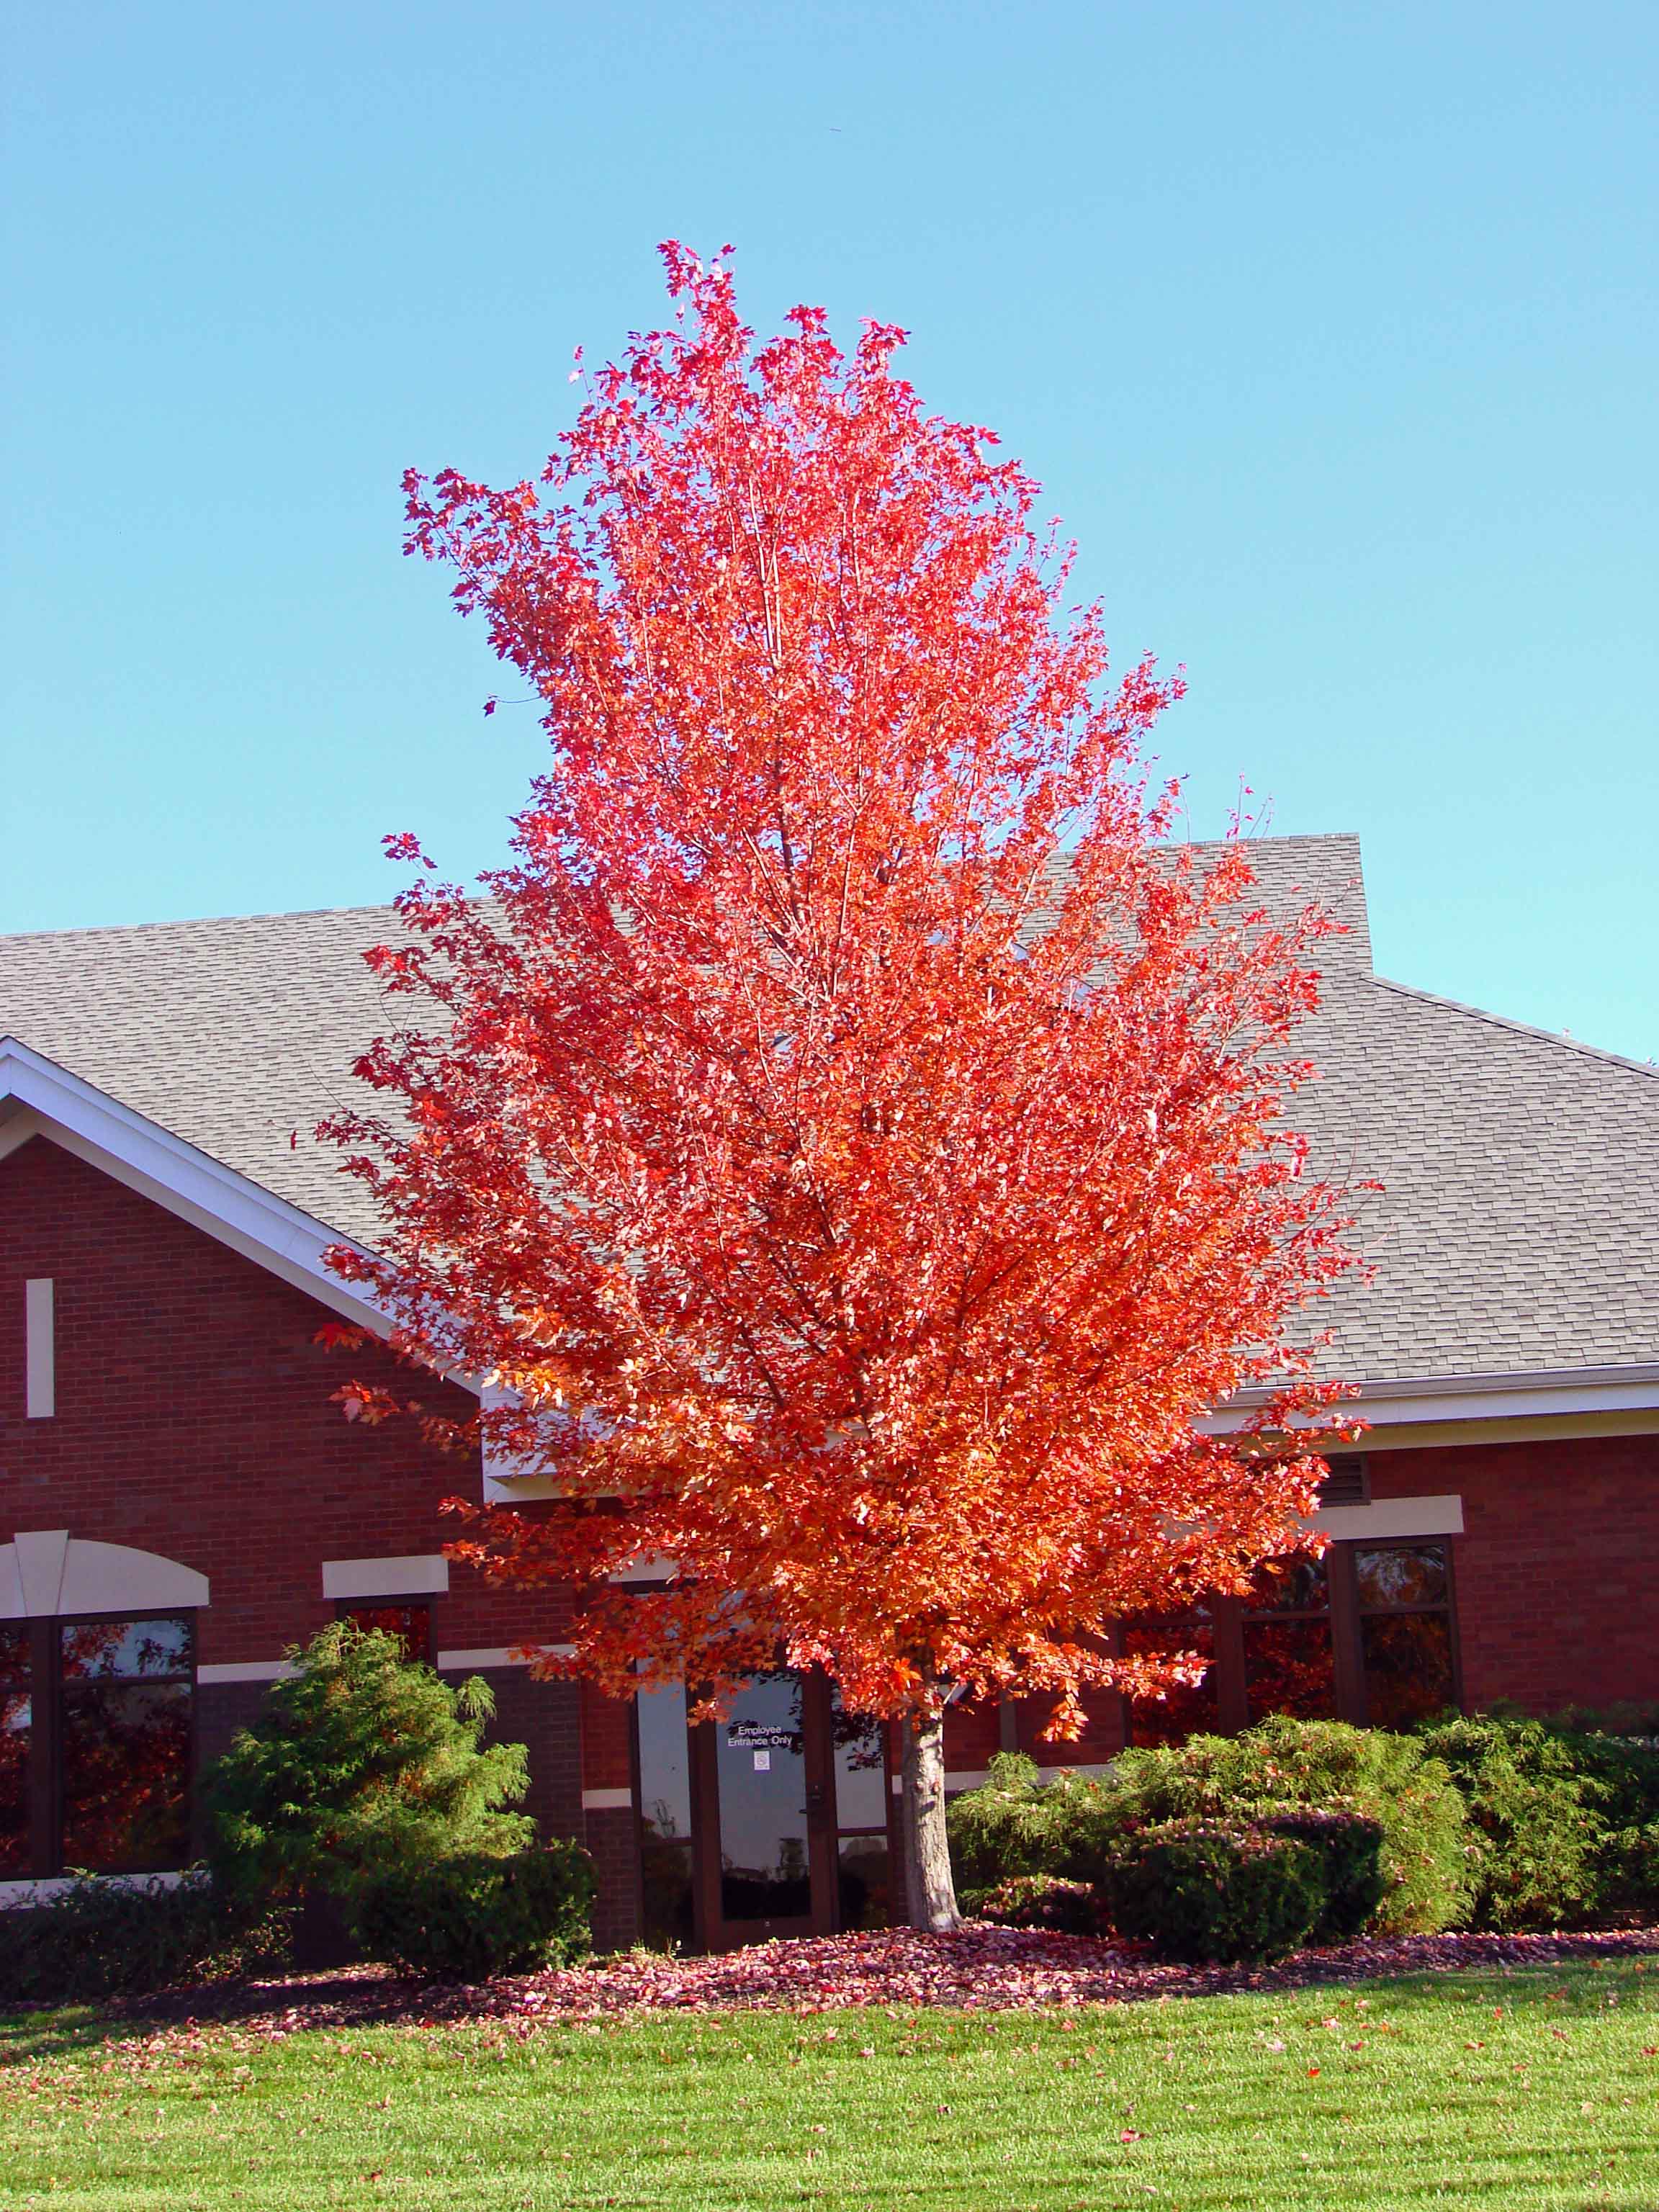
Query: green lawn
{"x": 1505, "y": 2091}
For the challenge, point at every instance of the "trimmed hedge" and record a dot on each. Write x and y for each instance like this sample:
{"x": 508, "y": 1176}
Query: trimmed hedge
{"x": 103, "y": 1937}
{"x": 472, "y": 1915}
{"x": 1350, "y": 1849}
{"x": 1016, "y": 1825}
{"x": 1495, "y": 1820}
{"x": 1223, "y": 1890}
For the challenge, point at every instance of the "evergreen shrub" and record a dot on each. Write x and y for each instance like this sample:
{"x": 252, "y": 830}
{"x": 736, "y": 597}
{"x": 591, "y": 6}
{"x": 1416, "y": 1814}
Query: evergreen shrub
{"x": 360, "y": 1766}
{"x": 1206, "y": 1889}
{"x": 1429, "y": 1859}
{"x": 474, "y": 1914}
{"x": 1016, "y": 1825}
{"x": 1568, "y": 1818}
{"x": 1349, "y": 1848}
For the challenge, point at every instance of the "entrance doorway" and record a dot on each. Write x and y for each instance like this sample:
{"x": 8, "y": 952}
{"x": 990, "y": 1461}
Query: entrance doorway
{"x": 772, "y": 1821}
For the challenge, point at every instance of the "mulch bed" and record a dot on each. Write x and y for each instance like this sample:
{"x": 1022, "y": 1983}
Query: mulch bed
{"x": 980, "y": 1969}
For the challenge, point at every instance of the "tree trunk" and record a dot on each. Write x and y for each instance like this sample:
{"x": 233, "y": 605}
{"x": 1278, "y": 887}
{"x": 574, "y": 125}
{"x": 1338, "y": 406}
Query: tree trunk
{"x": 930, "y": 1894}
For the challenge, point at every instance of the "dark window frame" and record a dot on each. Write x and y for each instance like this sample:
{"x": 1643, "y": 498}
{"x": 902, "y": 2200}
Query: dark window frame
{"x": 45, "y": 1756}
{"x": 1447, "y": 1547}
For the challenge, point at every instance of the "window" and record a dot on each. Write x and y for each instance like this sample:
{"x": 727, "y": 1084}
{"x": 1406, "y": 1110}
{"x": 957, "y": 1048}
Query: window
{"x": 408, "y": 1619}
{"x": 1185, "y": 1708}
{"x": 863, "y": 1863}
{"x": 96, "y": 1744}
{"x": 665, "y": 1799}
{"x": 1367, "y": 1632}
{"x": 1404, "y": 1593}
{"x": 16, "y": 1730}
{"x": 1290, "y": 1662}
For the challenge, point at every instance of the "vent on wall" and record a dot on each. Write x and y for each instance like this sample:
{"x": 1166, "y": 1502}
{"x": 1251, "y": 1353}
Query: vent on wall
{"x": 1347, "y": 1483}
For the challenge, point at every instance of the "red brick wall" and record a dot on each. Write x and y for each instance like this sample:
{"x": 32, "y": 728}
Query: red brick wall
{"x": 1557, "y": 1567}
{"x": 194, "y": 1418}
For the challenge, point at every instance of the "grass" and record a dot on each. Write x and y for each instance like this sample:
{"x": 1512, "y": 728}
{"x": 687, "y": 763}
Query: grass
{"x": 1536, "y": 2088}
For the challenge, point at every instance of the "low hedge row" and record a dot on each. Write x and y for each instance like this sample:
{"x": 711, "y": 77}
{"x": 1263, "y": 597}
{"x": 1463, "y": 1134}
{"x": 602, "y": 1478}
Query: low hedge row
{"x": 110, "y": 1938}
{"x": 1496, "y": 1821}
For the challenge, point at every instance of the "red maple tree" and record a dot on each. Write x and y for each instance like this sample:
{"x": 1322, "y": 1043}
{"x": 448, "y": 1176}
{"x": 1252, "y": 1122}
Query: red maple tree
{"x": 850, "y": 1134}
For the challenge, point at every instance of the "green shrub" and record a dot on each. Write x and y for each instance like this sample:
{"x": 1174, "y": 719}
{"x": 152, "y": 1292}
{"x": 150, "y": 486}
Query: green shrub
{"x": 1429, "y": 1859}
{"x": 1016, "y": 1825}
{"x": 1204, "y": 1889}
{"x": 474, "y": 1914}
{"x": 1619, "y": 1774}
{"x": 360, "y": 1765}
{"x": 102, "y": 1937}
{"x": 1349, "y": 1848}
{"x": 1037, "y": 1900}
{"x": 1568, "y": 1813}
{"x": 1540, "y": 1834}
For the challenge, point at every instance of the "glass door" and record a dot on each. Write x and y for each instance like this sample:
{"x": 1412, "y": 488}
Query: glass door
{"x": 773, "y": 1822}
{"x": 764, "y": 1823}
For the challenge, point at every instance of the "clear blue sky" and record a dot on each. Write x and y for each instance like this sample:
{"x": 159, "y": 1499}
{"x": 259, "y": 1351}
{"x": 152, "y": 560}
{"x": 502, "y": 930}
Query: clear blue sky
{"x": 1330, "y": 330}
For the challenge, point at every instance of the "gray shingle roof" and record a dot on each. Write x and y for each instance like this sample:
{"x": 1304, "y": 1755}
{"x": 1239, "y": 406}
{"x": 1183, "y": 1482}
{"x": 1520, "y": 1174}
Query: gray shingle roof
{"x": 1518, "y": 1230}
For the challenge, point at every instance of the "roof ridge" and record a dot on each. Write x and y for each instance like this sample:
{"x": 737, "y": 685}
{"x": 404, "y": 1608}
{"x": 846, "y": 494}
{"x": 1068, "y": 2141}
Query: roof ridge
{"x": 194, "y": 921}
{"x": 387, "y": 906}
{"x": 1647, "y": 1067}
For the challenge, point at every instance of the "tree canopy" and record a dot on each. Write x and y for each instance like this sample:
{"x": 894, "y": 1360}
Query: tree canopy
{"x": 857, "y": 1140}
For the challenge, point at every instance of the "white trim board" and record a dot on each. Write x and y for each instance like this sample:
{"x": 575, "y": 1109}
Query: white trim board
{"x": 247, "y": 1670}
{"x": 46, "y": 1573}
{"x": 975, "y": 1777}
{"x": 39, "y": 1350}
{"x": 607, "y": 1801}
{"x": 1389, "y": 1519}
{"x": 416, "y": 1574}
{"x": 1409, "y": 1402}
{"x": 517, "y": 1655}
{"x": 41, "y": 1889}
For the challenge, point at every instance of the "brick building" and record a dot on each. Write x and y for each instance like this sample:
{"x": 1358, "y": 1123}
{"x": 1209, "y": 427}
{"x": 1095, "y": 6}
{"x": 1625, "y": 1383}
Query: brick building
{"x": 180, "y": 1499}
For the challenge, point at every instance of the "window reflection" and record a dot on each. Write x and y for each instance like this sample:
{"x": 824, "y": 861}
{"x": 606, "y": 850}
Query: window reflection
{"x": 665, "y": 1760}
{"x": 1185, "y": 1708}
{"x": 865, "y": 1876}
{"x": 15, "y": 1732}
{"x": 1408, "y": 1667}
{"x": 124, "y": 1757}
{"x": 864, "y": 1898}
{"x": 1297, "y": 1584}
{"x": 408, "y": 1625}
{"x": 123, "y": 1743}
{"x": 1395, "y": 1574}
{"x": 1289, "y": 1669}
{"x": 860, "y": 1770}
{"x": 760, "y": 1765}
{"x": 124, "y": 1651}
{"x": 665, "y": 1815}
{"x": 1405, "y": 1631}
